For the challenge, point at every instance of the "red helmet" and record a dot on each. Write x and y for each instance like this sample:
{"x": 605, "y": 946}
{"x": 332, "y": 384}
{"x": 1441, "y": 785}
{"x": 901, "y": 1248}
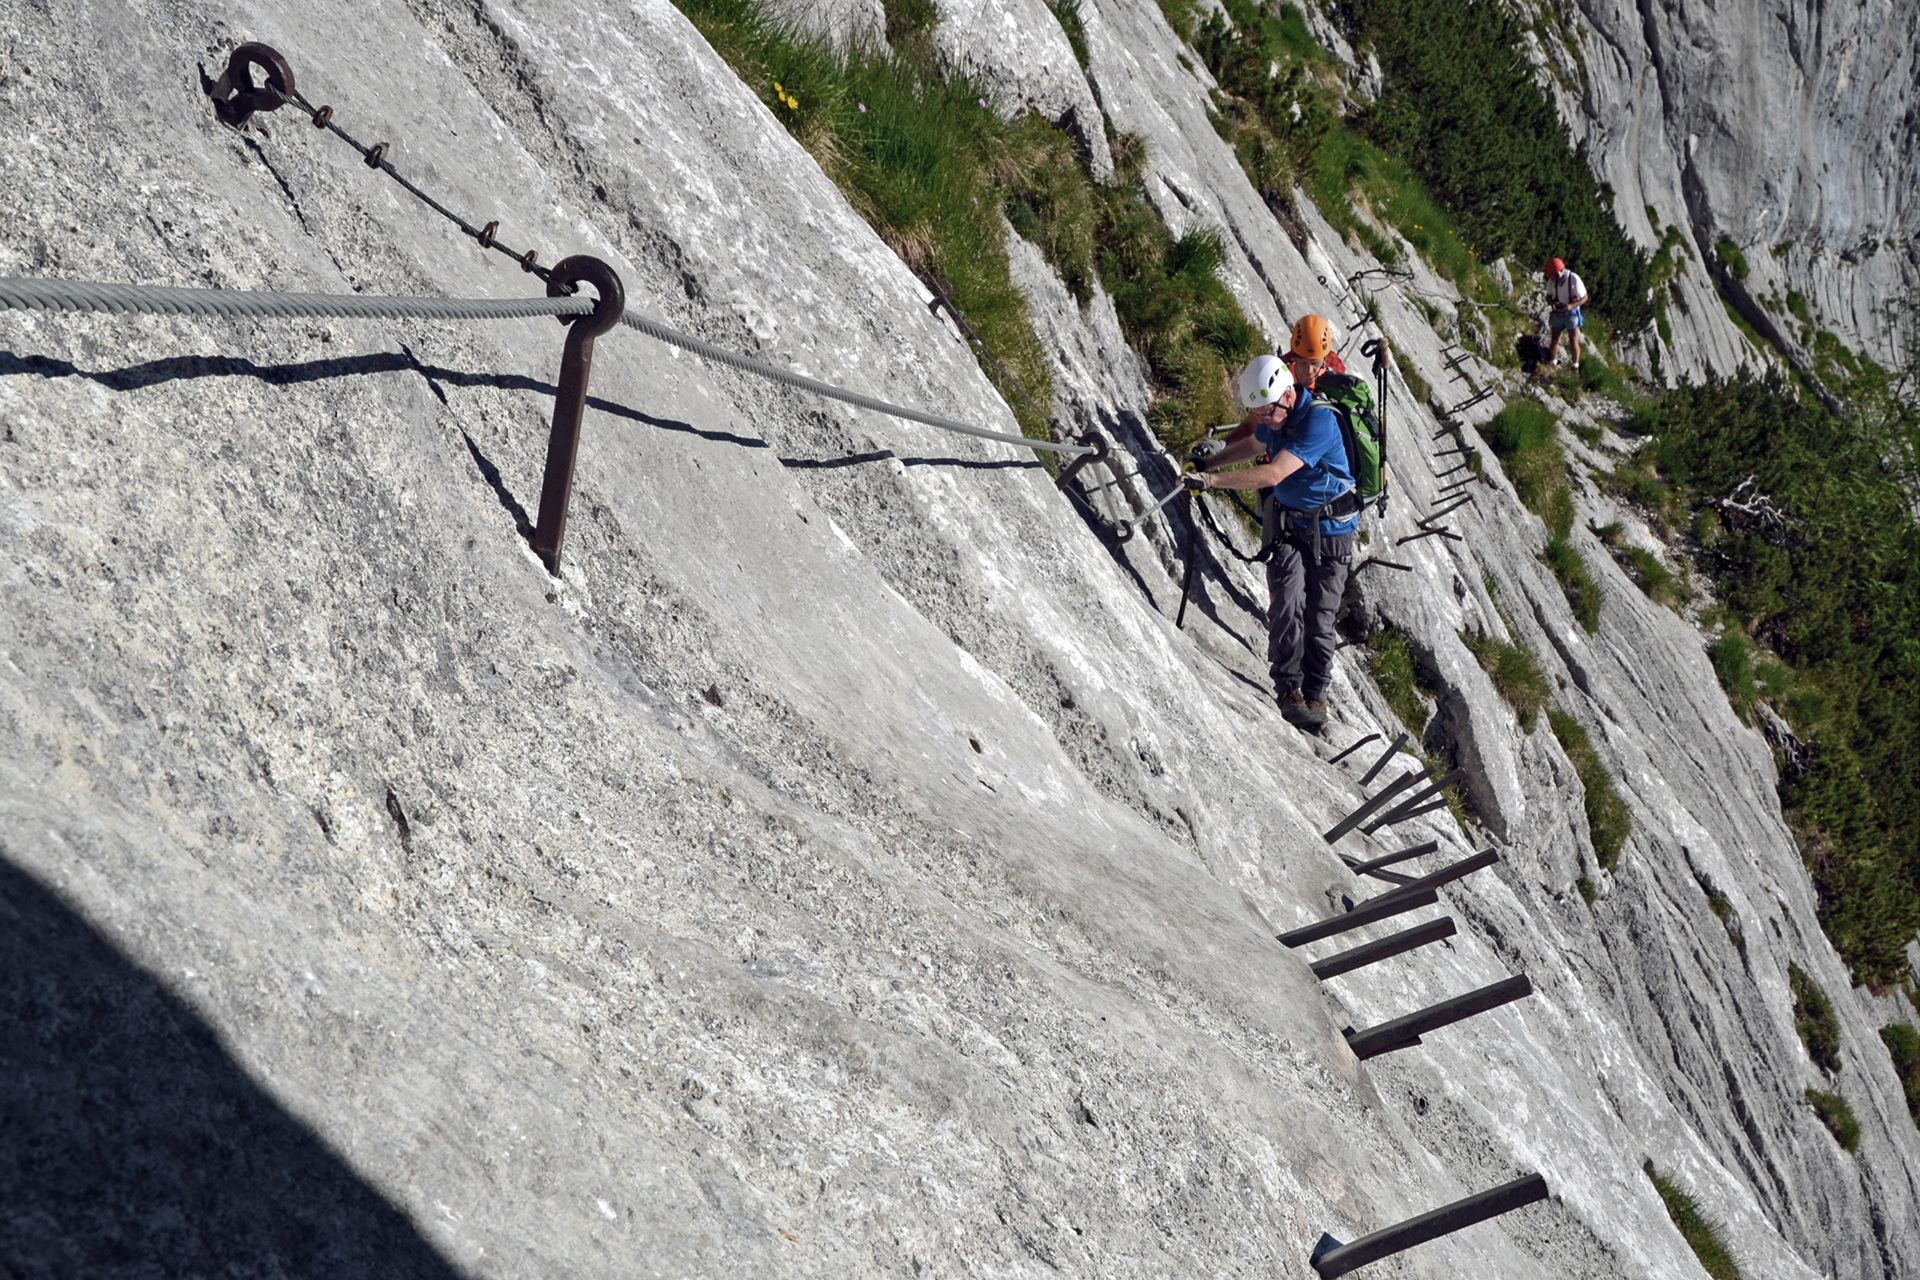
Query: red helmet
{"x": 1555, "y": 266}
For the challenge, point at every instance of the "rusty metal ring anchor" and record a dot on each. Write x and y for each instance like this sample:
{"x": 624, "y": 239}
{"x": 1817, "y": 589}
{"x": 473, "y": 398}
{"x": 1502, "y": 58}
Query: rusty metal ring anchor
{"x": 235, "y": 97}
{"x": 376, "y": 153}
{"x": 487, "y": 233}
{"x": 322, "y": 117}
{"x": 565, "y": 281}
{"x": 526, "y": 264}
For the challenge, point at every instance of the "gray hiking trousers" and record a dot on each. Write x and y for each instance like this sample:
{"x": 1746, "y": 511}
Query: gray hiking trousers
{"x": 1303, "y": 595}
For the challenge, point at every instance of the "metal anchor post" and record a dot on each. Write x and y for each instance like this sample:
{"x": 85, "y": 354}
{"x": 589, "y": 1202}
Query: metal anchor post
{"x": 576, "y": 363}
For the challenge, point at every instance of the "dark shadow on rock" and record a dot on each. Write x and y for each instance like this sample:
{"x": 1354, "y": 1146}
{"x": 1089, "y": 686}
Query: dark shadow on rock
{"x": 830, "y": 464}
{"x": 881, "y": 455}
{"x": 134, "y": 1146}
{"x": 491, "y": 474}
{"x": 180, "y": 368}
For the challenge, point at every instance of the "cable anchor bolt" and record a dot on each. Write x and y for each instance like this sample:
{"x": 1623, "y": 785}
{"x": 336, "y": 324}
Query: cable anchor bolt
{"x": 236, "y": 97}
{"x": 569, "y": 406}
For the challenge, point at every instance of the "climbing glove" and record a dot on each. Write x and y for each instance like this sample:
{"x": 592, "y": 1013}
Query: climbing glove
{"x": 1196, "y": 481}
{"x": 1206, "y": 451}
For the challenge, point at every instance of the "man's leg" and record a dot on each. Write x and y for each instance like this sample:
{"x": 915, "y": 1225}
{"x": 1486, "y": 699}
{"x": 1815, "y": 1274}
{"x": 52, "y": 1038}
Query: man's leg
{"x": 1286, "y": 605}
{"x": 1326, "y": 583}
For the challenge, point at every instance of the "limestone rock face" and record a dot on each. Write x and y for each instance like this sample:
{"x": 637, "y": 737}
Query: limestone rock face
{"x": 1019, "y": 50}
{"x": 847, "y": 867}
{"x": 1783, "y": 128}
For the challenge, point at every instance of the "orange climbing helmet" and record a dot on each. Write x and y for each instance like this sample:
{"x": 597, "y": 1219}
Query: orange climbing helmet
{"x": 1312, "y": 338}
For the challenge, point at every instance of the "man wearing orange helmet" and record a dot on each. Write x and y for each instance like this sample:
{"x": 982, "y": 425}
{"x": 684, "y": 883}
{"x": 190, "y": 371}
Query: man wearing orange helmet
{"x": 1568, "y": 293}
{"x": 1310, "y": 515}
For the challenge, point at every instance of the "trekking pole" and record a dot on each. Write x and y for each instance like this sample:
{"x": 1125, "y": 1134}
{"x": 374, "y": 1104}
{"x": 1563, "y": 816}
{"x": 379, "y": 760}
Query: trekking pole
{"x": 1377, "y": 348}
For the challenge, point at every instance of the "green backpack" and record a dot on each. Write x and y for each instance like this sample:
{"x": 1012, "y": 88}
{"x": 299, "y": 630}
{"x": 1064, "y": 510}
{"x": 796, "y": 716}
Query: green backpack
{"x": 1351, "y": 400}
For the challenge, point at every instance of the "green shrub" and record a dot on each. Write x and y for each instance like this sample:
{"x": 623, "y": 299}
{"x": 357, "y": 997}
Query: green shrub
{"x": 1609, "y": 821}
{"x": 1837, "y": 1116}
{"x": 1702, "y": 1234}
{"x": 1813, "y": 1018}
{"x": 1588, "y": 894}
{"x": 1903, "y": 1045}
{"x": 1731, "y": 258}
{"x": 1834, "y": 594}
{"x": 1395, "y": 674}
{"x": 925, "y": 164}
{"x": 1515, "y": 674}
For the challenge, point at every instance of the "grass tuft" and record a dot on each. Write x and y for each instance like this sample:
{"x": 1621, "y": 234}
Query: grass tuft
{"x": 1837, "y": 1116}
{"x": 1515, "y": 674}
{"x": 1524, "y": 436}
{"x": 1813, "y": 1018}
{"x": 1702, "y": 1234}
{"x": 1390, "y": 654}
{"x": 1609, "y": 821}
{"x": 1576, "y": 581}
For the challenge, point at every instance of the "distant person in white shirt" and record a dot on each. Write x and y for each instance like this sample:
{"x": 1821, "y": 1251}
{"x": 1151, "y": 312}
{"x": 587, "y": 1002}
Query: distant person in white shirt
{"x": 1568, "y": 293}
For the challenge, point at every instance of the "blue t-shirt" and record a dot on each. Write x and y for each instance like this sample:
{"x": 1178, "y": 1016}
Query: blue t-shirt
{"x": 1312, "y": 434}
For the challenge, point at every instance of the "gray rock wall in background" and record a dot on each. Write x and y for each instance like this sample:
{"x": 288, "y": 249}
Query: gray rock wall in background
{"x": 847, "y": 869}
{"x": 1786, "y": 128}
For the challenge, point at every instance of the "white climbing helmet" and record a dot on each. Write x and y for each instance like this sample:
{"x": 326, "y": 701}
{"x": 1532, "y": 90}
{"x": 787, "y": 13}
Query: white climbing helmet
{"x": 1263, "y": 382}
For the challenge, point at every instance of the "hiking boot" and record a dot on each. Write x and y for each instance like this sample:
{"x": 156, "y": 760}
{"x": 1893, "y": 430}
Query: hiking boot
{"x": 1313, "y": 713}
{"x": 1293, "y": 707}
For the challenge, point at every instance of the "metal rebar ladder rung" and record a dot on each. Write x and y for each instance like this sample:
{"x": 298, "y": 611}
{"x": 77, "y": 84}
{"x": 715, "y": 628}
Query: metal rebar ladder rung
{"x": 1331, "y": 1258}
{"x": 1384, "y": 907}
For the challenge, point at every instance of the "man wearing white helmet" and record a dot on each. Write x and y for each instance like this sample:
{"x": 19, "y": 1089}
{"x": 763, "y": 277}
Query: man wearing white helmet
{"x": 1309, "y": 518}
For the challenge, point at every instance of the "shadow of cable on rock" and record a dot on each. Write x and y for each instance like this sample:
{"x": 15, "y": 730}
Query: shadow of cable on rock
{"x": 186, "y": 368}
{"x": 135, "y": 1146}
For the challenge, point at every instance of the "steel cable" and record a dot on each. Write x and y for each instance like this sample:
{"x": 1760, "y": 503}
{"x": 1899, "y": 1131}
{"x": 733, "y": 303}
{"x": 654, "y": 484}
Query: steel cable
{"x": 746, "y": 364}
{"x": 124, "y": 299}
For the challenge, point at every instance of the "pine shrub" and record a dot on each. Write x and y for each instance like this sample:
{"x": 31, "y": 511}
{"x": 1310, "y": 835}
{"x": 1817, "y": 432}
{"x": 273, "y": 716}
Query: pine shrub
{"x": 1831, "y": 588}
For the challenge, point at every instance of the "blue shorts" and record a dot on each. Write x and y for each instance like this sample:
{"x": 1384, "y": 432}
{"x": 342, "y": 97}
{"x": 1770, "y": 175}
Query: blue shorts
{"x": 1565, "y": 321}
